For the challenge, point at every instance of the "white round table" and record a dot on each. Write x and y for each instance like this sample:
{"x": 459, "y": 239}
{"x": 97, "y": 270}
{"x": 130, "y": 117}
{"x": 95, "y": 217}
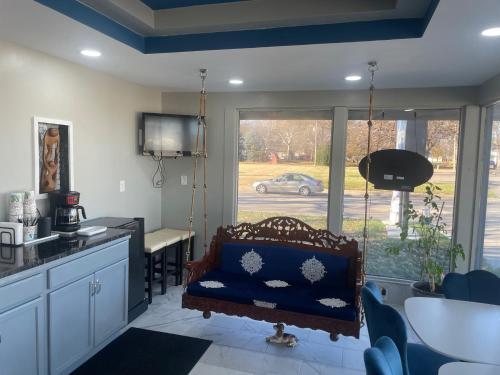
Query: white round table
{"x": 465, "y": 368}
{"x": 467, "y": 331}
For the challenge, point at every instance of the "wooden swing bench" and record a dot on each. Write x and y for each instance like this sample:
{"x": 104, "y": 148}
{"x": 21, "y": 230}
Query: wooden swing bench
{"x": 280, "y": 270}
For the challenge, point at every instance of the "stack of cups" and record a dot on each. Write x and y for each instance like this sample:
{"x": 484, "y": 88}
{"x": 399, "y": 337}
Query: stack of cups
{"x": 16, "y": 207}
{"x": 29, "y": 205}
{"x": 30, "y": 216}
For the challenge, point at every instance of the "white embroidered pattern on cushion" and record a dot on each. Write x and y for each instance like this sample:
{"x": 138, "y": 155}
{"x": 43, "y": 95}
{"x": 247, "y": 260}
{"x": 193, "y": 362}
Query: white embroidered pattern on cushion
{"x": 313, "y": 270}
{"x": 251, "y": 262}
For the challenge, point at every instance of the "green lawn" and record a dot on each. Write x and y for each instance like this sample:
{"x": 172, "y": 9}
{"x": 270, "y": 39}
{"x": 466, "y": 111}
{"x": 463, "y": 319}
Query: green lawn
{"x": 404, "y": 266}
{"x": 251, "y": 172}
{"x": 316, "y": 221}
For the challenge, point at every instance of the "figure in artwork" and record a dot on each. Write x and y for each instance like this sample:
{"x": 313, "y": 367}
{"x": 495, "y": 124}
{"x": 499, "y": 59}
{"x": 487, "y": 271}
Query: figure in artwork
{"x": 50, "y": 160}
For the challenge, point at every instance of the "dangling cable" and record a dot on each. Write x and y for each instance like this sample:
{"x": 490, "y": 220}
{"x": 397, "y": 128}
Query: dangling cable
{"x": 160, "y": 176}
{"x": 202, "y": 128}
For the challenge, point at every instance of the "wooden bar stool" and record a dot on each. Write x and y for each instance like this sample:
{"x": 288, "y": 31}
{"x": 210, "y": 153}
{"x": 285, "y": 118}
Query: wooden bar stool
{"x": 156, "y": 263}
{"x": 158, "y": 245}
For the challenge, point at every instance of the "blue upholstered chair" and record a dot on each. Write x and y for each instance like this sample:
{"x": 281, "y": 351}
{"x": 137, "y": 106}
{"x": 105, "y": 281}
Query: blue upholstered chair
{"x": 384, "y": 320}
{"x": 475, "y": 286}
{"x": 383, "y": 358}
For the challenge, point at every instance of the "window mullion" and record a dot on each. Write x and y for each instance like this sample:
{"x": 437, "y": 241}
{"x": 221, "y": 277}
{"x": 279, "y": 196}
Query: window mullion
{"x": 337, "y": 168}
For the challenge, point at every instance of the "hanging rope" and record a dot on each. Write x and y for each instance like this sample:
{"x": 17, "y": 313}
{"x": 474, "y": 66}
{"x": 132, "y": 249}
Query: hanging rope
{"x": 201, "y": 130}
{"x": 372, "y": 68}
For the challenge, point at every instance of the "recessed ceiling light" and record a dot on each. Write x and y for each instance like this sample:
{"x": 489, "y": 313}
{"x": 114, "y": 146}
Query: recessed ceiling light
{"x": 90, "y": 53}
{"x": 236, "y": 81}
{"x": 353, "y": 78}
{"x": 409, "y": 109}
{"x": 494, "y": 31}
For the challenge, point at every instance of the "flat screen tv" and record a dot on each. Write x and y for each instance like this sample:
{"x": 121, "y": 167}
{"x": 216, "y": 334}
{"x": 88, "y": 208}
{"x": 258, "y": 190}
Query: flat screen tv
{"x": 168, "y": 135}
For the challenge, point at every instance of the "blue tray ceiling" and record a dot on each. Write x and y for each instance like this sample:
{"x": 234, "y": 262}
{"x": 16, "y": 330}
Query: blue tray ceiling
{"x": 405, "y": 28}
{"x": 169, "y": 4}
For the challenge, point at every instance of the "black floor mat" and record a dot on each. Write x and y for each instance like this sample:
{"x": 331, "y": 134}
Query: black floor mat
{"x": 144, "y": 352}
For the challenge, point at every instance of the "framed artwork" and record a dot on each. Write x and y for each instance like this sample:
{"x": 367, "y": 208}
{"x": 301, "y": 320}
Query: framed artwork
{"x": 53, "y": 155}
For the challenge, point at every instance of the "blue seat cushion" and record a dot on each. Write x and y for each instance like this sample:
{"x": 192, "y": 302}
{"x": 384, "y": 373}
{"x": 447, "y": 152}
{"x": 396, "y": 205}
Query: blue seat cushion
{"x": 296, "y": 266}
{"x": 424, "y": 361}
{"x": 299, "y": 298}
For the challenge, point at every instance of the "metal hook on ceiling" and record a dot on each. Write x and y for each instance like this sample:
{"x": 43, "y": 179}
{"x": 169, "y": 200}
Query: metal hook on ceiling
{"x": 372, "y": 68}
{"x": 203, "y": 75}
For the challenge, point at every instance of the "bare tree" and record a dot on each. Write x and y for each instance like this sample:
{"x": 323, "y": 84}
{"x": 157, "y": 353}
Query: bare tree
{"x": 289, "y": 137}
{"x": 442, "y": 139}
{"x": 383, "y": 137}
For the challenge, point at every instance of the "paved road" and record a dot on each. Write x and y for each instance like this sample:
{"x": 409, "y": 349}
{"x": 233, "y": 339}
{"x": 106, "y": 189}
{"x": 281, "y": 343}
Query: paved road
{"x": 318, "y": 204}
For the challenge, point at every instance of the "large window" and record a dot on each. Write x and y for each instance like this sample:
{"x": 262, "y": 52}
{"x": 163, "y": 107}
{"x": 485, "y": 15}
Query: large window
{"x": 491, "y": 244}
{"x": 284, "y": 159}
{"x": 433, "y": 134}
{"x": 284, "y": 169}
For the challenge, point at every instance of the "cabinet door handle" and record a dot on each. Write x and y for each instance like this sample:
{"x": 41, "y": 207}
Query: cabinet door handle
{"x": 92, "y": 288}
{"x": 98, "y": 285}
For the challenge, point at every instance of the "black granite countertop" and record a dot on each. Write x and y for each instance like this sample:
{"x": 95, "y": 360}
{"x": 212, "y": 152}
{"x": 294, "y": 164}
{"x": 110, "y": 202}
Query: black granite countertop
{"x": 17, "y": 259}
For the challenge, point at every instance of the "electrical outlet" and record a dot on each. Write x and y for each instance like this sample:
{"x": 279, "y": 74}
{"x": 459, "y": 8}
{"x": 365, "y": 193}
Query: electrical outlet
{"x": 122, "y": 186}
{"x": 184, "y": 180}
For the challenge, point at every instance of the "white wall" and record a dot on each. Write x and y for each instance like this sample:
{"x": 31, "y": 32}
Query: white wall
{"x": 222, "y": 122}
{"x": 489, "y": 91}
{"x": 104, "y": 113}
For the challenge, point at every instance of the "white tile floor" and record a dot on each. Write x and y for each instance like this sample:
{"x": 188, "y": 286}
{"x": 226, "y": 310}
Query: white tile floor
{"x": 239, "y": 345}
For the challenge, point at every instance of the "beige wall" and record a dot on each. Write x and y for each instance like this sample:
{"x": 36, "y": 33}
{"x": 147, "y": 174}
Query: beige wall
{"x": 222, "y": 124}
{"x": 104, "y": 113}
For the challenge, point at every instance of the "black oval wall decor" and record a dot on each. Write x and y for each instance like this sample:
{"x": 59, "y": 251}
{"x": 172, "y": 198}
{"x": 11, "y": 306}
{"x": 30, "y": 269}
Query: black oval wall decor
{"x": 397, "y": 169}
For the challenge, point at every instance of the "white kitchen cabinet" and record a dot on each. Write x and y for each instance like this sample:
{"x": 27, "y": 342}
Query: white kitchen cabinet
{"x": 21, "y": 340}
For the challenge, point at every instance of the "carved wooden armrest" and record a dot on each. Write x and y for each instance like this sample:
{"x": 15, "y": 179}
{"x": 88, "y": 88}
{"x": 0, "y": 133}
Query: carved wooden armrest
{"x": 198, "y": 268}
{"x": 358, "y": 285}
{"x": 357, "y": 296}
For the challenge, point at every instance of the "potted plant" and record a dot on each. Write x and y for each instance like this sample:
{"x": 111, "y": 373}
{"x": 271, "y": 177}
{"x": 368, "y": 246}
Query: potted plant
{"x": 424, "y": 235}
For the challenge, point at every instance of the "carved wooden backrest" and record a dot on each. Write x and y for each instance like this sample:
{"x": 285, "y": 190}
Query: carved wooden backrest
{"x": 289, "y": 231}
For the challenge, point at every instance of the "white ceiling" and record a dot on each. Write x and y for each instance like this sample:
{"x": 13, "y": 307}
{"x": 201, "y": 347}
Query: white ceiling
{"x": 451, "y": 53}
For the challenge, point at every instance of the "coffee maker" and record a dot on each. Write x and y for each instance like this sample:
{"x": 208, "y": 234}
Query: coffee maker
{"x": 65, "y": 211}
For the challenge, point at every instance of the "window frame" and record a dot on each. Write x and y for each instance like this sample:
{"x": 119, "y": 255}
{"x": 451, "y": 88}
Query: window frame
{"x": 456, "y": 201}
{"x": 235, "y": 151}
{"x": 335, "y": 208}
{"x": 484, "y": 160}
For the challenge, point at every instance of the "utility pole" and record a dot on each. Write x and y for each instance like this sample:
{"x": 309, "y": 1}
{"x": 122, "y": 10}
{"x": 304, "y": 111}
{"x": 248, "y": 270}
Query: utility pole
{"x": 315, "y": 129}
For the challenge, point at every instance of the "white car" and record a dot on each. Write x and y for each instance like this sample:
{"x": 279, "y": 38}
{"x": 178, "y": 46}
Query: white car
{"x": 289, "y": 183}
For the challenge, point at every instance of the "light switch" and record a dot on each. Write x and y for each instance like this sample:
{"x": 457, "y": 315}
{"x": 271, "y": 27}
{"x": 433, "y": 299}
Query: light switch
{"x": 184, "y": 180}
{"x": 122, "y": 186}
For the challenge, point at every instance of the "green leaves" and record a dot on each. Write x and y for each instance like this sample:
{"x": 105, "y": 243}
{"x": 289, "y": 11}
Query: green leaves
{"x": 424, "y": 233}
{"x": 456, "y": 251}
